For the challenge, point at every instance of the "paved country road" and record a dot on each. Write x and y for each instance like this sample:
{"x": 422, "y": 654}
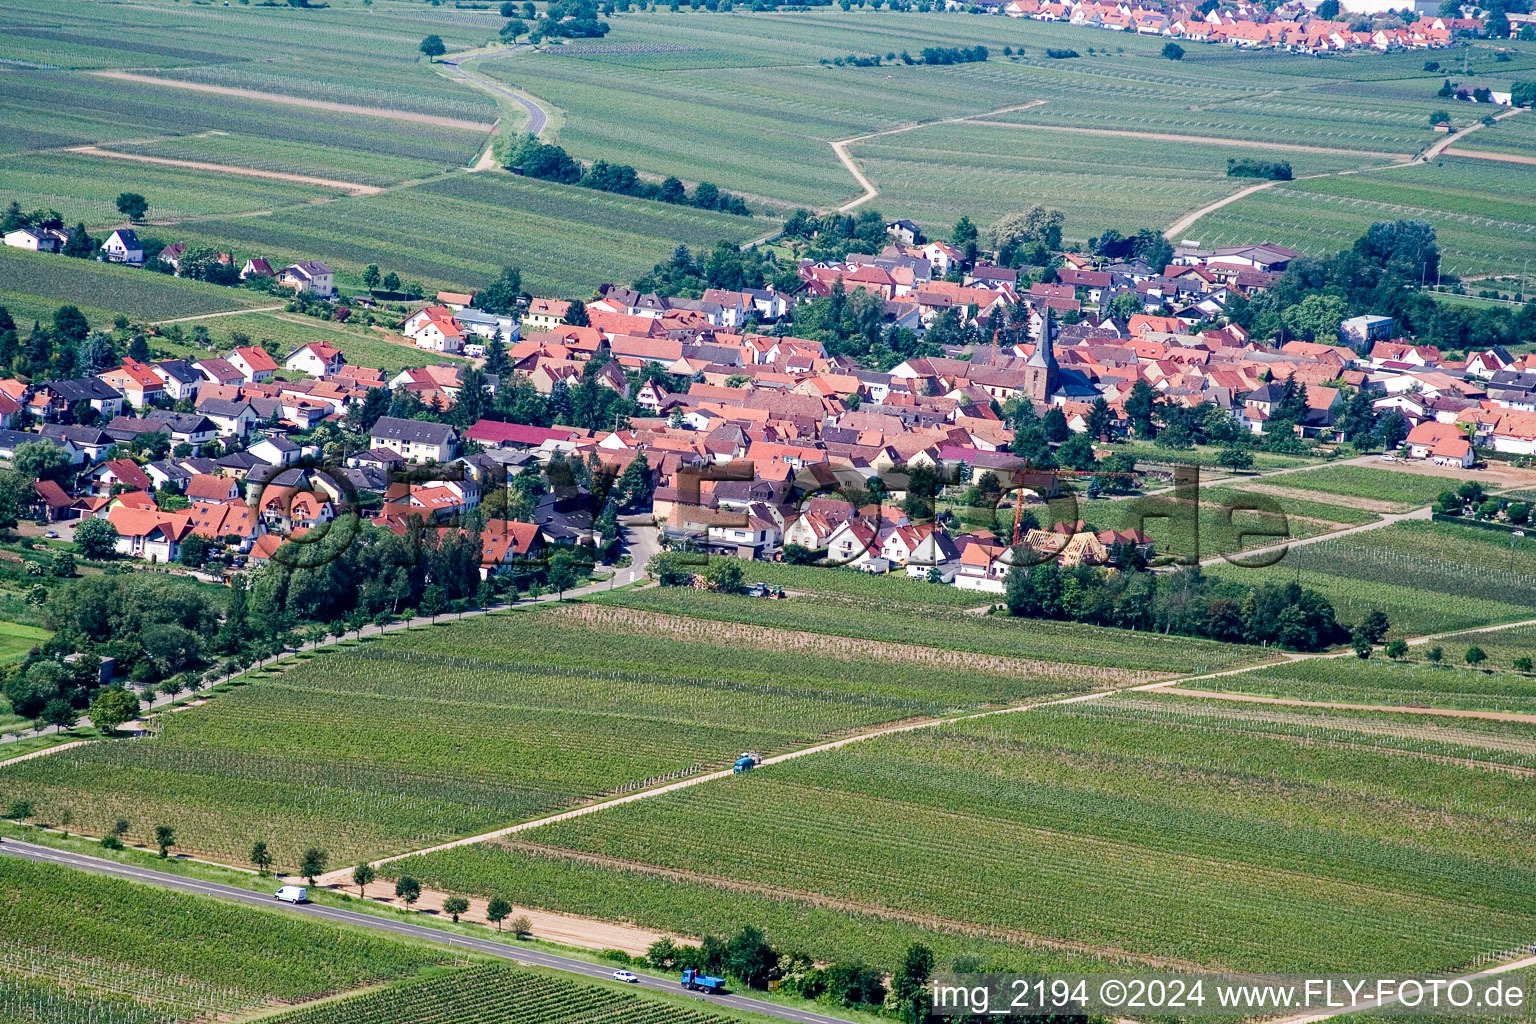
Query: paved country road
{"x": 522, "y": 955}
{"x": 537, "y": 117}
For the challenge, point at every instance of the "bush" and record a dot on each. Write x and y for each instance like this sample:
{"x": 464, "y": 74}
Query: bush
{"x": 1173, "y": 51}
{"x": 1248, "y": 167}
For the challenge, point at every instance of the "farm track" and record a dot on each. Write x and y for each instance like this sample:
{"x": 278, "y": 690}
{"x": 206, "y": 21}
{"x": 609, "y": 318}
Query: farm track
{"x": 1483, "y": 154}
{"x": 1440, "y": 148}
{"x": 212, "y": 316}
{"x": 301, "y": 101}
{"x": 352, "y": 188}
{"x": 840, "y": 147}
{"x": 1401, "y": 709}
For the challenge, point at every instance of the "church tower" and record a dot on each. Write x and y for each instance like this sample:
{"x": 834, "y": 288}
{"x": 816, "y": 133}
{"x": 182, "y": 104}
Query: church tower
{"x": 1040, "y": 371}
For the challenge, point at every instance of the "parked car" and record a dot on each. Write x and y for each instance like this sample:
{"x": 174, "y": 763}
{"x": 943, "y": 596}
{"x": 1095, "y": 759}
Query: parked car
{"x": 52, "y": 534}
{"x": 627, "y": 976}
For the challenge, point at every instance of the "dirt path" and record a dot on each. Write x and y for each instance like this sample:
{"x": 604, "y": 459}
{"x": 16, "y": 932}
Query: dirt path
{"x": 870, "y": 191}
{"x": 1483, "y": 154}
{"x": 1247, "y": 555}
{"x": 1187, "y": 221}
{"x": 353, "y": 188}
{"x": 301, "y": 101}
{"x": 567, "y": 929}
{"x": 1401, "y": 709}
{"x": 211, "y": 316}
{"x": 1314, "y": 1018}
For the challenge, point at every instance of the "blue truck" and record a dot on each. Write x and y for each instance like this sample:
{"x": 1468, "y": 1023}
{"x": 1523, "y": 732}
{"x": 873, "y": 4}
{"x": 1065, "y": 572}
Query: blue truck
{"x": 746, "y": 762}
{"x": 696, "y": 981}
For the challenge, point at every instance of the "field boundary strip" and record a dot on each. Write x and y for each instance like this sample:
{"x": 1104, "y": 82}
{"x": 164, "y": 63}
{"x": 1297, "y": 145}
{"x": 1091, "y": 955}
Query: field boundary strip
{"x": 300, "y": 101}
{"x": 350, "y": 187}
{"x": 1403, "y": 709}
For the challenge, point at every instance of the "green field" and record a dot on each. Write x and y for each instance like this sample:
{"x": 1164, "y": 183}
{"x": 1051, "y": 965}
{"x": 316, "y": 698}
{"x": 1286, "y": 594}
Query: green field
{"x": 498, "y": 994}
{"x": 34, "y": 284}
{"x": 1407, "y": 490}
{"x": 1427, "y": 577}
{"x": 442, "y": 732}
{"x": 566, "y": 239}
{"x": 745, "y": 100}
{"x": 1417, "y": 684}
{"x": 1481, "y": 212}
{"x": 1133, "y": 830}
{"x": 1502, "y": 646}
{"x": 88, "y": 948}
{"x": 1120, "y": 652}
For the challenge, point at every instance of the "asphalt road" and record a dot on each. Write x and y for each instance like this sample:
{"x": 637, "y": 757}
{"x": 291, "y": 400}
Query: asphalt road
{"x": 536, "y": 116}
{"x": 531, "y": 957}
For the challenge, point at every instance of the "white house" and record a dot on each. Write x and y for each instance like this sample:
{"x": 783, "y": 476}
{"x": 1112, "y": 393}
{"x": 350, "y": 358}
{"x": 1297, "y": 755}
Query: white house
{"x": 123, "y": 246}
{"x": 856, "y": 545}
{"x": 317, "y": 359}
{"x": 434, "y": 329}
{"x": 255, "y": 364}
{"x": 417, "y": 440}
{"x": 309, "y": 277}
{"x": 33, "y": 241}
{"x": 1441, "y": 443}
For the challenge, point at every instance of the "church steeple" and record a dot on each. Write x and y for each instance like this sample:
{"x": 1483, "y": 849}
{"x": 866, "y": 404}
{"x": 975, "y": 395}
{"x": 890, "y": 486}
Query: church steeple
{"x": 1044, "y": 355}
{"x": 1040, "y": 369}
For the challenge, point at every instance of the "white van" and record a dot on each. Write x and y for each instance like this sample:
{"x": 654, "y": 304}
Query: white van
{"x": 293, "y": 894}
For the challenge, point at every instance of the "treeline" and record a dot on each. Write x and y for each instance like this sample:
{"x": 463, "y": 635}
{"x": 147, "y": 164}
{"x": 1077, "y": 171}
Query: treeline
{"x": 1248, "y": 167}
{"x": 954, "y": 54}
{"x": 1186, "y": 602}
{"x": 547, "y": 162}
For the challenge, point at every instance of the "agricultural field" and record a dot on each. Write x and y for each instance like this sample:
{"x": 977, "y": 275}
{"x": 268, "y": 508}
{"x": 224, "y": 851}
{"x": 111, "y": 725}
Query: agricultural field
{"x": 1119, "y": 654}
{"x": 32, "y": 285}
{"x": 1427, "y": 577}
{"x": 1132, "y": 830}
{"x": 566, "y": 239}
{"x": 1404, "y": 489}
{"x": 88, "y": 948}
{"x": 1408, "y": 684}
{"x": 432, "y": 734}
{"x": 1294, "y": 508}
{"x": 500, "y": 994}
{"x": 1502, "y": 646}
{"x": 1481, "y": 212}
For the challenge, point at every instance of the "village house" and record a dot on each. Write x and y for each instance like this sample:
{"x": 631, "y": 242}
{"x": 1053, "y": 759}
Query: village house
{"x": 418, "y": 440}
{"x": 311, "y": 277}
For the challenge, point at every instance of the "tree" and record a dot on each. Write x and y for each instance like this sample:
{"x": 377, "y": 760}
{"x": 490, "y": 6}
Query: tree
{"x": 501, "y": 295}
{"x": 80, "y": 245}
{"x": 1316, "y": 317}
{"x": 576, "y": 315}
{"x": 1476, "y": 656}
{"x": 133, "y": 206}
{"x": 514, "y": 28}
{"x": 165, "y": 838}
{"x": 521, "y": 925}
{"x": 1328, "y": 10}
{"x": 1362, "y": 646}
{"x": 1375, "y": 625}
{"x": 37, "y": 459}
{"x": 454, "y": 906}
{"x": 561, "y": 577}
{"x": 261, "y": 857}
{"x": 312, "y": 863}
{"x": 749, "y": 957}
{"x": 112, "y": 707}
{"x": 1522, "y": 664}
{"x": 391, "y": 282}
{"x": 1029, "y": 237}
{"x": 58, "y": 713}
{"x": 408, "y": 889}
{"x": 909, "y": 983}
{"x": 371, "y": 276}
{"x": 1173, "y": 51}
{"x": 433, "y": 602}
{"x": 96, "y": 538}
{"x": 1397, "y": 650}
{"x": 1235, "y": 459}
{"x": 497, "y": 910}
{"x": 1435, "y": 654}
{"x": 433, "y": 47}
